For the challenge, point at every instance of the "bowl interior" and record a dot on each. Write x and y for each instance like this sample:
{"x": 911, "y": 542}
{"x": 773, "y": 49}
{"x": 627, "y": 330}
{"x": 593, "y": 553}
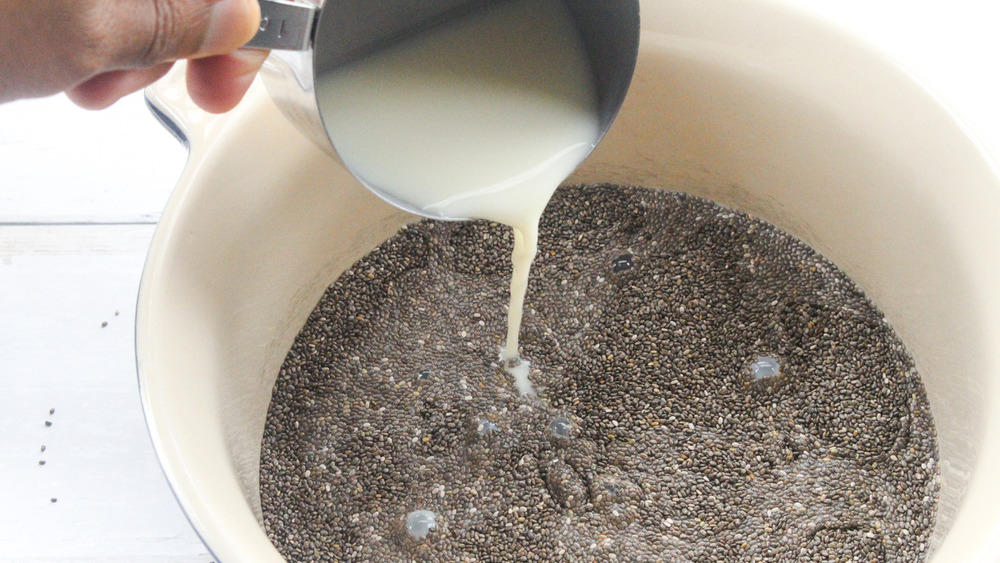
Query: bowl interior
{"x": 753, "y": 105}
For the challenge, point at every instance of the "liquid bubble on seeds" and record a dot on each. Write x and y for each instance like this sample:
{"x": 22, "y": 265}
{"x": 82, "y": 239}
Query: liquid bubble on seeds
{"x": 424, "y": 376}
{"x": 561, "y": 427}
{"x": 485, "y": 427}
{"x": 610, "y": 490}
{"x": 622, "y": 263}
{"x": 419, "y": 523}
{"x": 765, "y": 367}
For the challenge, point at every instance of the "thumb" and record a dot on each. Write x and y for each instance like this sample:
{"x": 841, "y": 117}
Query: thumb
{"x": 157, "y": 31}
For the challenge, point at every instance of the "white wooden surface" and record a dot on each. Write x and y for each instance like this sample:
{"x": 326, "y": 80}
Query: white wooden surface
{"x": 80, "y": 193}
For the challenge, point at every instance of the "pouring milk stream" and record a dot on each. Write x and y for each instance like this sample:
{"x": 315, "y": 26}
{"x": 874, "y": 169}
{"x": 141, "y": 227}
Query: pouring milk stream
{"x": 481, "y": 117}
{"x": 473, "y": 124}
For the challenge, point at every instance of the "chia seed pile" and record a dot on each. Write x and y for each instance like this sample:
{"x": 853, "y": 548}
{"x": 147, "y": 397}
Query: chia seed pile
{"x": 709, "y": 389}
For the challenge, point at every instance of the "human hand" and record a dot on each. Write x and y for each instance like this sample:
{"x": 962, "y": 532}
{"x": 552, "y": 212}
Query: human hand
{"x": 99, "y": 50}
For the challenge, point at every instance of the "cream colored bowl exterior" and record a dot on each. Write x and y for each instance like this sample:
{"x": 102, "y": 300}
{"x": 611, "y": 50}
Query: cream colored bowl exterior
{"x": 752, "y": 104}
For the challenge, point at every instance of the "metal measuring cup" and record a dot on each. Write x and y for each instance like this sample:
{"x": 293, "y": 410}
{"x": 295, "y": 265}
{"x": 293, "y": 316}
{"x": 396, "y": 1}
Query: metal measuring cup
{"x": 310, "y": 40}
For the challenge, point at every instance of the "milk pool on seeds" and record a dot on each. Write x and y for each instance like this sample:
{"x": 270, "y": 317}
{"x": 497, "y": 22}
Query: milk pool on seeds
{"x": 657, "y": 432}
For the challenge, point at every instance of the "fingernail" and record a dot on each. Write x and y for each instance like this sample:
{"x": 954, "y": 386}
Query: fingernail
{"x": 231, "y": 24}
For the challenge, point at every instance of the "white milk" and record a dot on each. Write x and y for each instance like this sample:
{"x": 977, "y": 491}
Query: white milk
{"x": 481, "y": 118}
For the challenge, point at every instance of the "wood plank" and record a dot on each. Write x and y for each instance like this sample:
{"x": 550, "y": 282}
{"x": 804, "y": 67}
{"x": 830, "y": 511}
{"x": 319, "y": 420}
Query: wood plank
{"x": 74, "y": 240}
{"x": 67, "y": 308}
{"x": 60, "y": 163}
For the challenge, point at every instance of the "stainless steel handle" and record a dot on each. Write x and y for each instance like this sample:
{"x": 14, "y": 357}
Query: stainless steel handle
{"x": 286, "y": 25}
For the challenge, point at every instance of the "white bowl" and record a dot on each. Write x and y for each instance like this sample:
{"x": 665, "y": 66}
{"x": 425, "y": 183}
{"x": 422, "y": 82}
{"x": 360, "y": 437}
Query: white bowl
{"x": 755, "y": 105}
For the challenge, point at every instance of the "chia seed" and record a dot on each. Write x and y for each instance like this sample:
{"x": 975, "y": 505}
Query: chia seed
{"x": 677, "y": 454}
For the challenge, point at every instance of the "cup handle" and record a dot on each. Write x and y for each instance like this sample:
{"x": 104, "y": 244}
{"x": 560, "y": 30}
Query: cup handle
{"x": 168, "y": 99}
